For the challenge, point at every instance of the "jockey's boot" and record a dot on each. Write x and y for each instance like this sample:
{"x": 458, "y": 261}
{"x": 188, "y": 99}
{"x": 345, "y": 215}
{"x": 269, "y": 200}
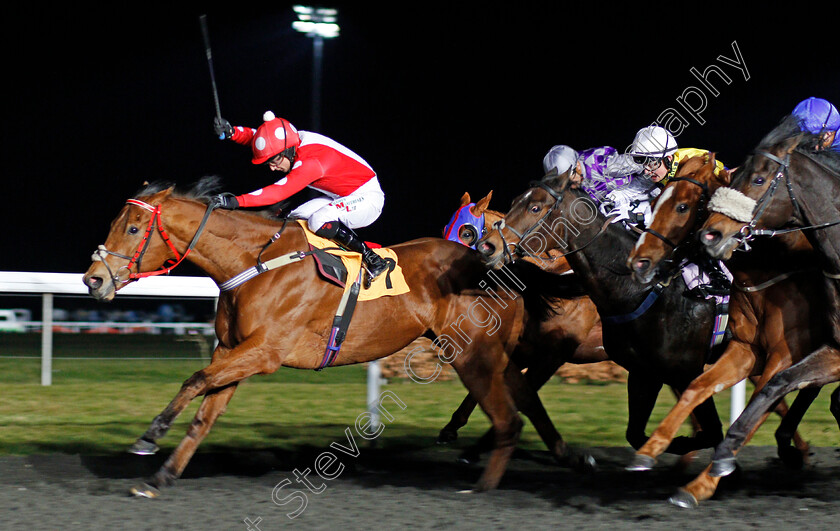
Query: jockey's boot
{"x": 345, "y": 237}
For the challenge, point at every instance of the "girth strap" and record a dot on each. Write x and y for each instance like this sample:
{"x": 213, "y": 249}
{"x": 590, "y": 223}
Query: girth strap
{"x": 638, "y": 312}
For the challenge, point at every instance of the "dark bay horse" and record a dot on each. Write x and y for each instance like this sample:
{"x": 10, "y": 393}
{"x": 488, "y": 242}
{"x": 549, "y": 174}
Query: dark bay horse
{"x": 772, "y": 312}
{"x": 657, "y": 334}
{"x": 786, "y": 184}
{"x": 283, "y": 317}
{"x": 571, "y": 333}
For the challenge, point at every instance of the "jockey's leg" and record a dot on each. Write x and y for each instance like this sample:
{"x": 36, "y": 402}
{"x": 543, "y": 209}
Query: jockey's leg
{"x": 344, "y": 236}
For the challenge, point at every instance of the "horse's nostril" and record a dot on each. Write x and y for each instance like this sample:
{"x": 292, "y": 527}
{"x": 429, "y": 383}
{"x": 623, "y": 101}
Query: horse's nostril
{"x": 641, "y": 265}
{"x": 710, "y": 236}
{"x": 94, "y": 282}
{"x": 486, "y": 248}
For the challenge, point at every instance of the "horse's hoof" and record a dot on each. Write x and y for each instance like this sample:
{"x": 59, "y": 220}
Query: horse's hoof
{"x": 586, "y": 464}
{"x": 446, "y": 437}
{"x": 684, "y": 499}
{"x": 641, "y": 463}
{"x": 791, "y": 457}
{"x": 722, "y": 467}
{"x": 469, "y": 458}
{"x": 144, "y": 490}
{"x": 143, "y": 447}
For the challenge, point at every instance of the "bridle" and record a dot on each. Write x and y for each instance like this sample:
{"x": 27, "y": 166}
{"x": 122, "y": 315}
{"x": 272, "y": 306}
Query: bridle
{"x": 703, "y": 203}
{"x": 155, "y": 222}
{"x": 749, "y": 231}
{"x": 518, "y": 249}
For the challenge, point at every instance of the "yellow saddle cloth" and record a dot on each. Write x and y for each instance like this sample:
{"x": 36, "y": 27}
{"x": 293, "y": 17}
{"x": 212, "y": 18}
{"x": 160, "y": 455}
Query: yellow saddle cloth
{"x": 353, "y": 262}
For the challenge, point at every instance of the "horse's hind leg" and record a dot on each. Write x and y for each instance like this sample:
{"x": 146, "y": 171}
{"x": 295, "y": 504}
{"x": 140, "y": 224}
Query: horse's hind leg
{"x": 794, "y": 455}
{"x": 483, "y": 375}
{"x": 214, "y": 404}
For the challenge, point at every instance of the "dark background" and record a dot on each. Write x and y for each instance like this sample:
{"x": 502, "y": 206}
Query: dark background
{"x": 439, "y": 99}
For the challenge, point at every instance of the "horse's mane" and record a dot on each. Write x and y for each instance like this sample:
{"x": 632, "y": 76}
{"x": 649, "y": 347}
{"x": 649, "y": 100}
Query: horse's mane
{"x": 787, "y": 128}
{"x": 201, "y": 191}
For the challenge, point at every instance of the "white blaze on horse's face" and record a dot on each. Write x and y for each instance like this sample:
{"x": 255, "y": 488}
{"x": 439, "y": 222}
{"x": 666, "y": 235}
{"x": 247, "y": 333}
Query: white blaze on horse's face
{"x": 669, "y": 191}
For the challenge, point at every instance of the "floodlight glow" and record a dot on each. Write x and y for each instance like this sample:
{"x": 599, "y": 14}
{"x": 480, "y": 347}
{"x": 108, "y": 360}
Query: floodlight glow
{"x": 314, "y": 22}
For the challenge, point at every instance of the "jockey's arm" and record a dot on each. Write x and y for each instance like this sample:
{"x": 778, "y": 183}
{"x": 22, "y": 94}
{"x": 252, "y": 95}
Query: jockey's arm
{"x": 300, "y": 176}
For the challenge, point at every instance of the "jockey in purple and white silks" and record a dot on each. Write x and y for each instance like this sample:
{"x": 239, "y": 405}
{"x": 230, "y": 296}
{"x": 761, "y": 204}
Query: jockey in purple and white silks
{"x": 615, "y": 182}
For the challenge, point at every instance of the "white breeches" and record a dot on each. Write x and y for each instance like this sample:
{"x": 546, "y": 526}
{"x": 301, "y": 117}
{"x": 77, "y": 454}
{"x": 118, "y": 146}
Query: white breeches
{"x": 359, "y": 209}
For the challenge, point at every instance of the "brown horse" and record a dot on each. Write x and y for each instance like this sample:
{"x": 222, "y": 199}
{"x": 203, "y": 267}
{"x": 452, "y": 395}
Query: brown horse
{"x": 571, "y": 333}
{"x": 658, "y": 335}
{"x": 771, "y": 313}
{"x": 283, "y": 317}
{"x": 784, "y": 183}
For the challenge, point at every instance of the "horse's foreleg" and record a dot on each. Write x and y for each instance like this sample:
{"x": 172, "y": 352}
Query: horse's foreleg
{"x": 449, "y": 433}
{"x": 818, "y": 369}
{"x": 731, "y": 368}
{"x": 642, "y": 392}
{"x": 214, "y": 404}
{"x": 147, "y": 443}
{"x": 835, "y": 405}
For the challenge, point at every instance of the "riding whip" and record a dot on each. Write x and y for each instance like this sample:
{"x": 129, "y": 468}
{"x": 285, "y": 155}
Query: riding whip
{"x": 206, "y": 35}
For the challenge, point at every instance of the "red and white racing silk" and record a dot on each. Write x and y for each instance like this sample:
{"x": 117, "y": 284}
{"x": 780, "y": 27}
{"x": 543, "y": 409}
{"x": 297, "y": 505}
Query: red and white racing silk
{"x": 321, "y": 163}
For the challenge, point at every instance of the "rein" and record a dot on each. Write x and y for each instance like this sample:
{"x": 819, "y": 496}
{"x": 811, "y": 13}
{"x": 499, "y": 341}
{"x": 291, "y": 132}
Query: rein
{"x": 518, "y": 249}
{"x": 156, "y": 221}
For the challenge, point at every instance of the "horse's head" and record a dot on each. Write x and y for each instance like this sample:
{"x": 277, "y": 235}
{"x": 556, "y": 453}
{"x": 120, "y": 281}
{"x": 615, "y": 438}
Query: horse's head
{"x": 759, "y": 197}
{"x": 136, "y": 243}
{"x": 537, "y": 225}
{"x": 677, "y": 214}
{"x": 468, "y": 223}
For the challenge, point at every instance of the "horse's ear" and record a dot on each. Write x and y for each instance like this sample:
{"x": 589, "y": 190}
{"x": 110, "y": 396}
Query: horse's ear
{"x": 481, "y": 205}
{"x": 725, "y": 176}
{"x": 790, "y": 144}
{"x": 465, "y": 199}
{"x": 712, "y": 156}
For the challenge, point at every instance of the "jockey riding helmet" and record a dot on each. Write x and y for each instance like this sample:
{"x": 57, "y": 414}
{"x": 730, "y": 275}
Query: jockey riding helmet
{"x": 817, "y": 115}
{"x": 653, "y": 143}
{"x": 275, "y": 136}
{"x": 559, "y": 158}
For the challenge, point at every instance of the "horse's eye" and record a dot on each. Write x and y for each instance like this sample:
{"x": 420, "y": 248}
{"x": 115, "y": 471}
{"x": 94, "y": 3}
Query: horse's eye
{"x": 467, "y": 235}
{"x": 133, "y": 230}
{"x": 682, "y": 208}
{"x": 758, "y": 181}
{"x": 535, "y": 209}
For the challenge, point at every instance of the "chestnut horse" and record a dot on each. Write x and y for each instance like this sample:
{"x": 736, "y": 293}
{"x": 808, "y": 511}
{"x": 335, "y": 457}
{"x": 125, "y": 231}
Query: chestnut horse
{"x": 771, "y": 321}
{"x": 571, "y": 333}
{"x": 785, "y": 185}
{"x": 283, "y": 317}
{"x": 658, "y": 335}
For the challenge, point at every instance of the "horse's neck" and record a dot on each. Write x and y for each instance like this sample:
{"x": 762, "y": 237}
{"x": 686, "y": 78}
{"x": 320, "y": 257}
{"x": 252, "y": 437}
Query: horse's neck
{"x": 599, "y": 259}
{"x": 819, "y": 200}
{"x": 231, "y": 241}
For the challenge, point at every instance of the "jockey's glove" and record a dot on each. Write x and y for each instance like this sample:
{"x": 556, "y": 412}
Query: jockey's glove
{"x": 223, "y": 128}
{"x": 226, "y": 200}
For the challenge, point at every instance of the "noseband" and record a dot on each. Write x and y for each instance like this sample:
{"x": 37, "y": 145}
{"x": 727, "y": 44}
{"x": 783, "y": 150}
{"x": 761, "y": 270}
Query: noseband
{"x": 705, "y": 195}
{"x": 155, "y": 221}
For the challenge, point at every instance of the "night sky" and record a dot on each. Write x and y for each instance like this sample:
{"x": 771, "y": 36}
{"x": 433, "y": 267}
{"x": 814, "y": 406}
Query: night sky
{"x": 439, "y": 100}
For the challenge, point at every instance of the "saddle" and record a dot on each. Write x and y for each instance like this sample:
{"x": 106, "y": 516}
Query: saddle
{"x": 337, "y": 266}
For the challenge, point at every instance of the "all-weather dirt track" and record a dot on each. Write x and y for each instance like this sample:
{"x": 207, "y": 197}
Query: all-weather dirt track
{"x": 418, "y": 488}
